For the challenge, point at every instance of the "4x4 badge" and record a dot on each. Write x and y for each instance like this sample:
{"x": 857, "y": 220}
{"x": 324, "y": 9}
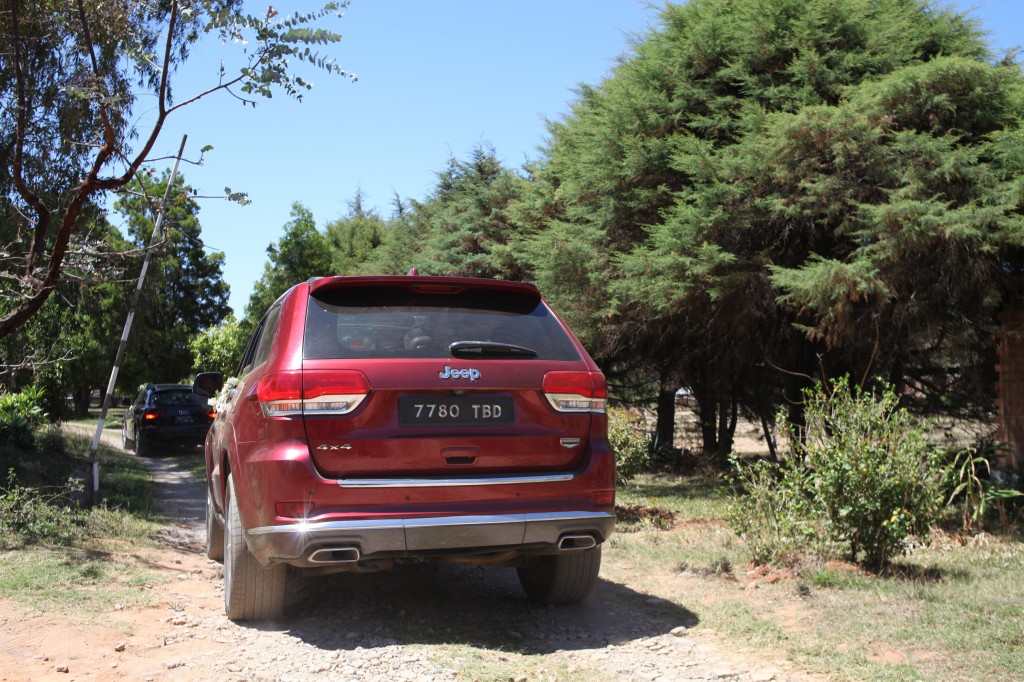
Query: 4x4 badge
{"x": 448, "y": 373}
{"x": 346, "y": 446}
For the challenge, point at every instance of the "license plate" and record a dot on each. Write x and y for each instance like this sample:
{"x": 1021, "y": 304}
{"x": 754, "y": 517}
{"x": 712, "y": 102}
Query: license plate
{"x": 455, "y": 410}
{"x": 184, "y": 419}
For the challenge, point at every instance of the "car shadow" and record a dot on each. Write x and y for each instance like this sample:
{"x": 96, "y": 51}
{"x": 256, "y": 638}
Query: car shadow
{"x": 480, "y": 607}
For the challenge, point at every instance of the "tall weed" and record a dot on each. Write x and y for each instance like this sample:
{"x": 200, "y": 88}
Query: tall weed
{"x": 978, "y": 493}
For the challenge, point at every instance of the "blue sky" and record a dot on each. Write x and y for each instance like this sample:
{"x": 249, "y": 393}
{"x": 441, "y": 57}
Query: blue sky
{"x": 435, "y": 80}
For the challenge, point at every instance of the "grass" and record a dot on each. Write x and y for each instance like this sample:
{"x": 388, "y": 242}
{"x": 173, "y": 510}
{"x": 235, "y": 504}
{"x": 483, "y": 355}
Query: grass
{"x": 950, "y": 610}
{"x": 90, "y": 567}
{"x": 71, "y": 580}
{"x": 115, "y": 416}
{"x": 693, "y": 497}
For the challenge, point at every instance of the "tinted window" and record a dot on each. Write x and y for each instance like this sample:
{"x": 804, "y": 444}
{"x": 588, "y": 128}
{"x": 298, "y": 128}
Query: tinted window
{"x": 182, "y": 397}
{"x": 258, "y": 341}
{"x": 392, "y": 322}
{"x": 269, "y": 327}
{"x": 250, "y": 351}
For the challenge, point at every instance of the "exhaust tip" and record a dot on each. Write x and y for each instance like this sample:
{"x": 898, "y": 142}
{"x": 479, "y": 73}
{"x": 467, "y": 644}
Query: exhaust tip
{"x": 335, "y": 555}
{"x": 570, "y": 543}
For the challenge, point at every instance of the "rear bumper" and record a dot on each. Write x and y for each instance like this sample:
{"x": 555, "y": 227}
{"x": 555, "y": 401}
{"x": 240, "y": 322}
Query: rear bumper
{"x": 185, "y": 433}
{"x": 527, "y": 533}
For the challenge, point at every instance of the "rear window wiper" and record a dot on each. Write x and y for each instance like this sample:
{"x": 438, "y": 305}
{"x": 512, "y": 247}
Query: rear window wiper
{"x": 480, "y": 349}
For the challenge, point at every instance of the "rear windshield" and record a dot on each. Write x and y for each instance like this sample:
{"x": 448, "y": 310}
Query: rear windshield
{"x": 175, "y": 397}
{"x": 393, "y": 322}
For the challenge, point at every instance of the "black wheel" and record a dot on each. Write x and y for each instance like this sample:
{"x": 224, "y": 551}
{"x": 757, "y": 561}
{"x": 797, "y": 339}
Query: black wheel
{"x": 126, "y": 442}
{"x": 214, "y": 531}
{"x": 142, "y": 446}
{"x": 561, "y": 578}
{"x": 251, "y": 591}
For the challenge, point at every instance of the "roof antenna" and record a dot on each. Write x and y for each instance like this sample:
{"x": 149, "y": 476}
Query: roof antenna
{"x": 413, "y": 272}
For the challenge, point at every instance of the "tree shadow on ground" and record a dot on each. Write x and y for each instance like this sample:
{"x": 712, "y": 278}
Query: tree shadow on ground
{"x": 485, "y": 608}
{"x": 903, "y": 571}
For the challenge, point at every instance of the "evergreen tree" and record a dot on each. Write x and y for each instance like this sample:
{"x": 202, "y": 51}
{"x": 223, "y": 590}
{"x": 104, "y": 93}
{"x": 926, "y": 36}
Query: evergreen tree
{"x": 184, "y": 292}
{"x": 301, "y": 253}
{"x": 354, "y": 238}
{"x": 702, "y": 202}
{"x": 465, "y": 224}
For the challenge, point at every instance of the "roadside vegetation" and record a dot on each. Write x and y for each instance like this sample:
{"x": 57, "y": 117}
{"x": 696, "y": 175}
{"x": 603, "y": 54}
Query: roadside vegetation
{"x": 865, "y": 552}
{"x": 949, "y": 609}
{"x": 58, "y": 553}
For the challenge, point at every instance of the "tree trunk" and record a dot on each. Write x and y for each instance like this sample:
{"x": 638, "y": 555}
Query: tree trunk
{"x": 797, "y": 420}
{"x": 81, "y": 396}
{"x": 769, "y": 439}
{"x": 727, "y": 415}
{"x": 665, "y": 428}
{"x": 707, "y": 413}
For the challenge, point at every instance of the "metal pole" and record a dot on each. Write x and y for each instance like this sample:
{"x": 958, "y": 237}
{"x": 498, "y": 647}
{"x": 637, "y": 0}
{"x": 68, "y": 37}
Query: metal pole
{"x": 153, "y": 241}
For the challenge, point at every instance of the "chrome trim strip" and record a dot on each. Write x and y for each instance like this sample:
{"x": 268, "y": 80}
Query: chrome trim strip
{"x": 428, "y": 482}
{"x": 305, "y": 528}
{"x": 429, "y": 522}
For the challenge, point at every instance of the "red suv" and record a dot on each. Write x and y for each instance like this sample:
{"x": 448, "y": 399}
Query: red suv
{"x": 404, "y": 418}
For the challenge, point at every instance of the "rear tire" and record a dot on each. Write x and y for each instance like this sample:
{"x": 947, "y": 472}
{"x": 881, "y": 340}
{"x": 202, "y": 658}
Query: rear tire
{"x": 214, "y": 531}
{"x": 561, "y": 578}
{"x": 251, "y": 591}
{"x": 142, "y": 446}
{"x": 126, "y": 443}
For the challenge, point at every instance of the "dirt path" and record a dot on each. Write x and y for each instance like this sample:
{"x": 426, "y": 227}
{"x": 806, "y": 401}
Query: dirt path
{"x": 418, "y": 623}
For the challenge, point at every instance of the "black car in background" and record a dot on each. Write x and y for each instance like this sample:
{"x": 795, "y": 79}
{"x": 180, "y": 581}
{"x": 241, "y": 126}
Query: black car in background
{"x": 166, "y": 415}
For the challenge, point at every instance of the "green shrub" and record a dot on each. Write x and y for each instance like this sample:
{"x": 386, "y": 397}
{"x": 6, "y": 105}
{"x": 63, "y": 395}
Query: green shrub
{"x": 29, "y": 515}
{"x": 50, "y": 442}
{"x": 876, "y": 477}
{"x": 860, "y": 478}
{"x": 627, "y": 433}
{"x": 775, "y": 511}
{"x": 20, "y": 415}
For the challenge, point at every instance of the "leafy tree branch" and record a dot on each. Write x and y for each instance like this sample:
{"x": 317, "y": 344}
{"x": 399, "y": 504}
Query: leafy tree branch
{"x": 66, "y": 106}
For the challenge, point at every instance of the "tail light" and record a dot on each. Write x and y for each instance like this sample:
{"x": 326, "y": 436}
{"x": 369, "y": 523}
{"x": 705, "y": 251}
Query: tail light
{"x": 151, "y": 415}
{"x": 286, "y": 394}
{"x": 280, "y": 394}
{"x": 337, "y": 392}
{"x": 582, "y": 392}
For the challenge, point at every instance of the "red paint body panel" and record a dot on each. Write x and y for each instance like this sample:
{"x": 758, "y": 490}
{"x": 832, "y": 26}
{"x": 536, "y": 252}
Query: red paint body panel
{"x": 365, "y": 464}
